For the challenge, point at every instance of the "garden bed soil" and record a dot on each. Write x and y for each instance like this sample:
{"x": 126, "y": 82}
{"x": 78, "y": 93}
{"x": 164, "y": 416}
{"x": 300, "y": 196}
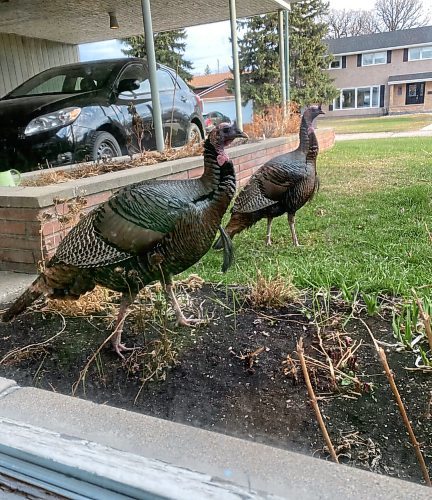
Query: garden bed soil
{"x": 207, "y": 377}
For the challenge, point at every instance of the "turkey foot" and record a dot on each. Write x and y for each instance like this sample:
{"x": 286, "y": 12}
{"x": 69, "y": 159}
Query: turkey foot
{"x": 116, "y": 342}
{"x": 120, "y": 348}
{"x": 181, "y": 319}
{"x": 191, "y": 322}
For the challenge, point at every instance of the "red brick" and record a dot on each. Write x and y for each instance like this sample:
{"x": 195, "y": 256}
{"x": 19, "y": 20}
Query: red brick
{"x": 242, "y": 182}
{"x": 245, "y": 174}
{"x": 18, "y": 213}
{"x": 98, "y": 198}
{"x": 14, "y": 255}
{"x": 12, "y": 227}
{"x": 181, "y": 176}
{"x": 18, "y": 242}
{"x": 195, "y": 172}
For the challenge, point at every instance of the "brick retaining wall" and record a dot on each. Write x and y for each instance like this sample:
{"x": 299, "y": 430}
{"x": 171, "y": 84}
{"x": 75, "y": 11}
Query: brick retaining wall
{"x": 34, "y": 219}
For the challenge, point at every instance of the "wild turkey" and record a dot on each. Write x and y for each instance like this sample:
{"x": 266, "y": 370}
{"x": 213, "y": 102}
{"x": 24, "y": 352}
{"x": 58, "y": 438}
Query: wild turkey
{"x": 148, "y": 231}
{"x": 282, "y": 185}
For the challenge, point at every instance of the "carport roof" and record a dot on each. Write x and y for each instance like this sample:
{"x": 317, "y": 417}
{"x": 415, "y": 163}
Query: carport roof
{"x": 410, "y": 78}
{"x": 82, "y": 21}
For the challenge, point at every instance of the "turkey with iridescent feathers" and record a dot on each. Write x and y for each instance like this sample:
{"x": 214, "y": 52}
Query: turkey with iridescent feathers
{"x": 147, "y": 232}
{"x": 282, "y": 185}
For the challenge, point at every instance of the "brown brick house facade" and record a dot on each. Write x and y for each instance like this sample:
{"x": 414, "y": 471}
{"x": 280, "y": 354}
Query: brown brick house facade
{"x": 382, "y": 73}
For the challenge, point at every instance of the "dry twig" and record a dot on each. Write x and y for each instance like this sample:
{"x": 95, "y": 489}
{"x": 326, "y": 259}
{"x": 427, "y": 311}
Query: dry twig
{"x": 32, "y": 347}
{"x": 401, "y": 406}
{"x": 314, "y": 402}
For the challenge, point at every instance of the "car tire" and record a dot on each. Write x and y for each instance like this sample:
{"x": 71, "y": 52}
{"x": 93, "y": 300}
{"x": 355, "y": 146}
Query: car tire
{"x": 194, "y": 133}
{"x": 104, "y": 146}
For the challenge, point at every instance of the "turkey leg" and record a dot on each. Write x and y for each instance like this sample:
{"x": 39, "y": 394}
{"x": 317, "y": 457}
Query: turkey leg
{"x": 181, "y": 319}
{"x": 269, "y": 226}
{"x": 291, "y": 222}
{"x": 121, "y": 316}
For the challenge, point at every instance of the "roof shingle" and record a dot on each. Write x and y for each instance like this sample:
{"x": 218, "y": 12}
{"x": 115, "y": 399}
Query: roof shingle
{"x": 381, "y": 41}
{"x": 204, "y": 81}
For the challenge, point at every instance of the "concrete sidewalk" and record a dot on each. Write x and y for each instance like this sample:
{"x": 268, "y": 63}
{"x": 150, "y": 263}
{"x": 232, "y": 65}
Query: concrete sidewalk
{"x": 425, "y": 132}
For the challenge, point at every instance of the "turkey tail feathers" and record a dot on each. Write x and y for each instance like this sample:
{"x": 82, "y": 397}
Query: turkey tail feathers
{"x": 218, "y": 244}
{"x": 225, "y": 243}
{"x": 34, "y": 291}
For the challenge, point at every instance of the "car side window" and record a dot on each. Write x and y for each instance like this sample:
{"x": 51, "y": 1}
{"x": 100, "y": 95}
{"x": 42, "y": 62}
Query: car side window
{"x": 135, "y": 72}
{"x": 54, "y": 85}
{"x": 165, "y": 80}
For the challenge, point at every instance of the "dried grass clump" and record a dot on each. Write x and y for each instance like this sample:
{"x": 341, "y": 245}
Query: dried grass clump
{"x": 97, "y": 301}
{"x": 49, "y": 177}
{"x": 102, "y": 300}
{"x": 272, "y": 122}
{"x": 272, "y": 291}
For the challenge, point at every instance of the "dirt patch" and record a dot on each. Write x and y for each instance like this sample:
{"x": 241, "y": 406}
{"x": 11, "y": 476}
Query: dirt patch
{"x": 232, "y": 376}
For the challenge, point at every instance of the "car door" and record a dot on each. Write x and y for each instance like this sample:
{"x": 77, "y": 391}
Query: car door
{"x": 140, "y": 135}
{"x": 174, "y": 108}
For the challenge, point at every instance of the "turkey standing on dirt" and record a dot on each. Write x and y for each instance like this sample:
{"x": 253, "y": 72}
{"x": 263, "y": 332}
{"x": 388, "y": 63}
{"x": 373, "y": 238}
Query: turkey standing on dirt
{"x": 148, "y": 231}
{"x": 282, "y": 185}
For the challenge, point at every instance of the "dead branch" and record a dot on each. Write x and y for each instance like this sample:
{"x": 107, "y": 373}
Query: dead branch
{"x": 30, "y": 347}
{"x": 401, "y": 406}
{"x": 314, "y": 402}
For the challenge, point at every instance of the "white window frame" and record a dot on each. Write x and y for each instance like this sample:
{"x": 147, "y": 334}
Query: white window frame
{"x": 336, "y": 59}
{"x": 427, "y": 47}
{"x": 374, "y": 55}
{"x": 371, "y": 87}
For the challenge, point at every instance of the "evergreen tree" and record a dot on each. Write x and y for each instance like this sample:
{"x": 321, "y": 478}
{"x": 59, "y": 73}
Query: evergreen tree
{"x": 259, "y": 57}
{"x": 308, "y": 54}
{"x": 259, "y": 61}
{"x": 207, "y": 70}
{"x": 169, "y": 50}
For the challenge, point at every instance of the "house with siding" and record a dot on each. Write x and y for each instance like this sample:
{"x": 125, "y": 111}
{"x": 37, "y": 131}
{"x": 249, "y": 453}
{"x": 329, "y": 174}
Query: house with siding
{"x": 213, "y": 91}
{"x": 22, "y": 57}
{"x": 382, "y": 73}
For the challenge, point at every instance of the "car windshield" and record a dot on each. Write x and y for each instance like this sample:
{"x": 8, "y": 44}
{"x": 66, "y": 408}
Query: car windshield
{"x": 73, "y": 79}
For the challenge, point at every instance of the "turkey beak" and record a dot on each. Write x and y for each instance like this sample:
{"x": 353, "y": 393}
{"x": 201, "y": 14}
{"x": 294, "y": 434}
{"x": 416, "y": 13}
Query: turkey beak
{"x": 240, "y": 133}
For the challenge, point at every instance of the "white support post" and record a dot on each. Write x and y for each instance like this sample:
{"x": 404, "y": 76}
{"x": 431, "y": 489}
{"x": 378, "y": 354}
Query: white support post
{"x": 236, "y": 66}
{"x": 282, "y": 60}
{"x": 154, "y": 88}
{"x": 287, "y": 57}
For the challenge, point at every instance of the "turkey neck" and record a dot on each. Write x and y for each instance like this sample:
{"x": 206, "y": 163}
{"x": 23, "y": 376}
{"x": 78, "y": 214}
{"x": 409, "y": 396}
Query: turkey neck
{"x": 313, "y": 148}
{"x": 304, "y": 136}
{"x": 218, "y": 179}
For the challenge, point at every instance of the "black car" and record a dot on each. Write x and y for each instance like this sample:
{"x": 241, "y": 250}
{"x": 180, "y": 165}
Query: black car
{"x": 83, "y": 112}
{"x": 214, "y": 118}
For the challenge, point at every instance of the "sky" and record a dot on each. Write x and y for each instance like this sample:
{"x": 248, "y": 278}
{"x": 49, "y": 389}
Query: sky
{"x": 216, "y": 54}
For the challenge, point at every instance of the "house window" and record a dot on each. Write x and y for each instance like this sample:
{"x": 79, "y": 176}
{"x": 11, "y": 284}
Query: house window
{"x": 336, "y": 63}
{"x": 358, "y": 98}
{"x": 417, "y": 53}
{"x": 374, "y": 58}
{"x": 348, "y": 98}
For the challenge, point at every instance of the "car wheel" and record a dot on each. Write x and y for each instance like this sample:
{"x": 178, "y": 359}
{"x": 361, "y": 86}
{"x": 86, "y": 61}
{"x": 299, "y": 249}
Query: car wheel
{"x": 104, "y": 146}
{"x": 194, "y": 133}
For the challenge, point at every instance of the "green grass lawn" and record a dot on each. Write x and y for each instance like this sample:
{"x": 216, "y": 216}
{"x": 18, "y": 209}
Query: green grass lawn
{"x": 367, "y": 225}
{"x": 403, "y": 123}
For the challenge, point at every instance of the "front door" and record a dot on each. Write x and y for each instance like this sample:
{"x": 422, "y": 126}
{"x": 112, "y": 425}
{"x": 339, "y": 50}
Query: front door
{"x": 415, "y": 93}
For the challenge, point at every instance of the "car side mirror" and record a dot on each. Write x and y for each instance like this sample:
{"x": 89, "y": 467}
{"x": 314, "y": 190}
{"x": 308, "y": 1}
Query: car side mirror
{"x": 128, "y": 85}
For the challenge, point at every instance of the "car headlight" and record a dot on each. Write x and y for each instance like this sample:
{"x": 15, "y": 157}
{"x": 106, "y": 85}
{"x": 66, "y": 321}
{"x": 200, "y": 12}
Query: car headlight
{"x": 49, "y": 121}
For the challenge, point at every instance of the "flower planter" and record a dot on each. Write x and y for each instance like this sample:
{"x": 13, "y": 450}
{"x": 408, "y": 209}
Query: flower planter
{"x": 33, "y": 220}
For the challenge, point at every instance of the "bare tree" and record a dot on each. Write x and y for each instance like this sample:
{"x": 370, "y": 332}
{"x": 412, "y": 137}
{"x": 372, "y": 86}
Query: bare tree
{"x": 342, "y": 23}
{"x": 395, "y": 15}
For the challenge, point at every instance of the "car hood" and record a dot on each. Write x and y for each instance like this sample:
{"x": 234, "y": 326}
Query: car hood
{"x": 18, "y": 111}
